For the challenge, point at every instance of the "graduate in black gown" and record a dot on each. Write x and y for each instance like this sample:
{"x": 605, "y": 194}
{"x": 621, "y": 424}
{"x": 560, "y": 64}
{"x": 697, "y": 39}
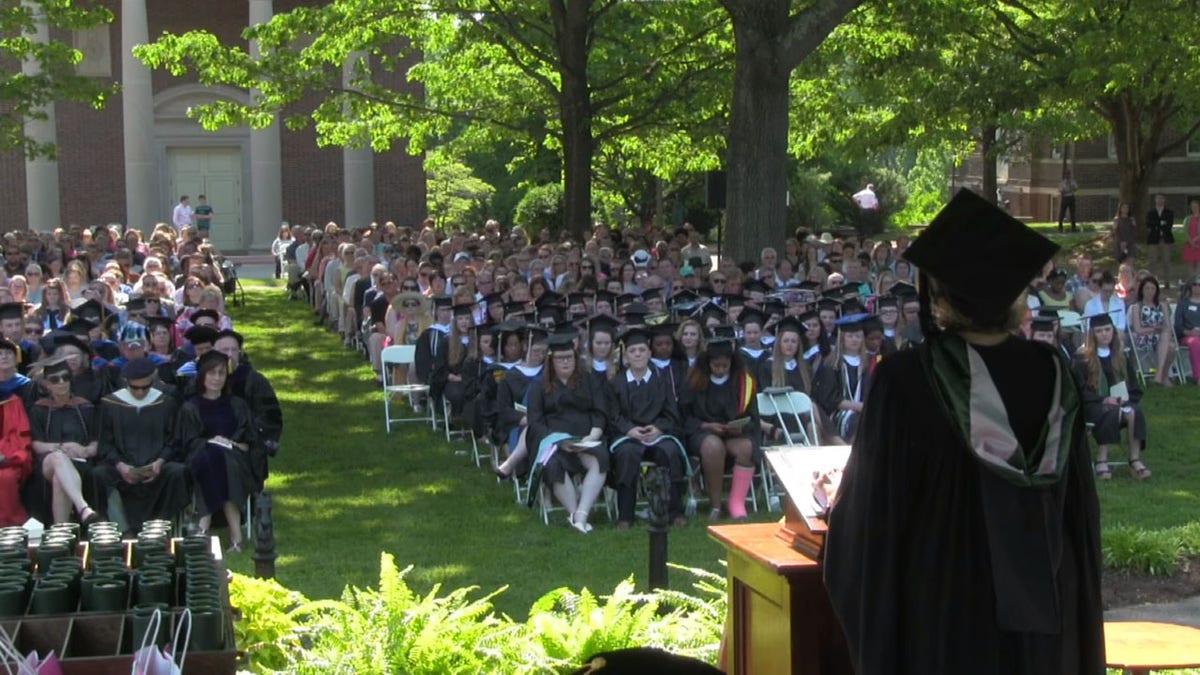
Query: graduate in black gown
{"x": 566, "y": 404}
{"x": 754, "y": 352}
{"x": 266, "y": 415}
{"x": 720, "y": 391}
{"x": 668, "y": 358}
{"x": 841, "y": 384}
{"x": 432, "y": 343}
{"x": 643, "y": 424}
{"x": 449, "y": 379}
{"x": 958, "y": 547}
{"x": 511, "y": 392}
{"x": 510, "y": 351}
{"x": 1100, "y": 368}
{"x": 65, "y": 430}
{"x": 141, "y": 464}
{"x": 216, "y": 432}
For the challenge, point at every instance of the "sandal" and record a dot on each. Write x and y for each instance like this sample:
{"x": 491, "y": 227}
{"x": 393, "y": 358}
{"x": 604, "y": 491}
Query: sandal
{"x": 581, "y": 525}
{"x": 1138, "y": 468}
{"x": 1102, "y": 471}
{"x": 88, "y": 515}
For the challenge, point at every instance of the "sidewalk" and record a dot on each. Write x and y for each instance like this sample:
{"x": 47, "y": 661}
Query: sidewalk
{"x": 1184, "y": 612}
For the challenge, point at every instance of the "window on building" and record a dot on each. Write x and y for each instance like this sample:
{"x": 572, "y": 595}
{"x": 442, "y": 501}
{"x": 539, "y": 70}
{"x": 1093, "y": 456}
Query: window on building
{"x": 1193, "y": 147}
{"x": 1112, "y": 146}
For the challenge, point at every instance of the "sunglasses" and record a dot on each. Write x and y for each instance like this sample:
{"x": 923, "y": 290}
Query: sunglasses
{"x": 412, "y": 303}
{"x": 58, "y": 379}
{"x": 409, "y": 287}
{"x": 135, "y": 387}
{"x": 192, "y": 286}
{"x": 33, "y": 331}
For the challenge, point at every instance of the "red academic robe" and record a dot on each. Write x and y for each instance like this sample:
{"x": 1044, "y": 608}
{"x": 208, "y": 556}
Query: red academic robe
{"x": 16, "y": 446}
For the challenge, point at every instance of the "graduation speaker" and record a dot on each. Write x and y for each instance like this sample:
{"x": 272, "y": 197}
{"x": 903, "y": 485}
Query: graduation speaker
{"x": 715, "y": 189}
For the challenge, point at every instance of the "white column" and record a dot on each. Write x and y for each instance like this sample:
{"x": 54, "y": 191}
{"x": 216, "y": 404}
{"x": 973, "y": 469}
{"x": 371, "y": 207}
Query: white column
{"x": 358, "y": 166}
{"x": 41, "y": 173}
{"x": 137, "y": 113}
{"x": 266, "y": 167}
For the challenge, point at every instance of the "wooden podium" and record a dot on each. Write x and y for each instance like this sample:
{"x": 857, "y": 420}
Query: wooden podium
{"x": 780, "y": 621}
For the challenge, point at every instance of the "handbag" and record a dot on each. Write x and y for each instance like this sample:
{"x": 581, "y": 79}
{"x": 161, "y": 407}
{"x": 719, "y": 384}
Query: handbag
{"x": 28, "y": 664}
{"x": 150, "y": 660}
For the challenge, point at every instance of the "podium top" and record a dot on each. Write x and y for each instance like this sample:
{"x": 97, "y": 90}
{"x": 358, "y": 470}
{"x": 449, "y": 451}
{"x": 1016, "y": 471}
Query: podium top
{"x": 759, "y": 541}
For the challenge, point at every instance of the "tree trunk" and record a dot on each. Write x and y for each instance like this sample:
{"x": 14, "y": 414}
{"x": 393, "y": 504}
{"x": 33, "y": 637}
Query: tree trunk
{"x": 572, "y": 25}
{"x": 756, "y": 194}
{"x": 987, "y": 151}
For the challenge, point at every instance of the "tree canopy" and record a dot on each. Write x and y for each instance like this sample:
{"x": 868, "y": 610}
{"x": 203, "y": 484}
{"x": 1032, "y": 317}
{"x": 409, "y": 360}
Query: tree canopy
{"x": 49, "y": 74}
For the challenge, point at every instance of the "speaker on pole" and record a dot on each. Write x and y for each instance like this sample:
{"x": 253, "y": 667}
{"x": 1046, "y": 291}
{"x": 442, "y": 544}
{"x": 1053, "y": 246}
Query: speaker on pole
{"x": 715, "y": 189}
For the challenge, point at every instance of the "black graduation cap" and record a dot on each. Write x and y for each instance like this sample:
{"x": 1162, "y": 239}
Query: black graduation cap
{"x": 464, "y": 309}
{"x": 79, "y": 326}
{"x": 138, "y": 369}
{"x": 505, "y": 328}
{"x": 482, "y": 329}
{"x": 229, "y": 332}
{"x": 711, "y": 310}
{"x": 790, "y": 323}
{"x": 635, "y": 311}
{"x": 724, "y": 331}
{"x": 578, "y": 298}
{"x": 733, "y": 299}
{"x": 652, "y": 293}
{"x": 639, "y": 660}
{"x": 720, "y": 346}
{"x": 627, "y": 298}
{"x": 513, "y": 308}
{"x": 548, "y": 299}
{"x": 903, "y": 290}
{"x": 666, "y": 328}
{"x": 774, "y": 306}
{"x": 706, "y": 292}
{"x": 606, "y": 296}
{"x": 566, "y": 328}
{"x": 164, "y": 321}
{"x": 538, "y": 334}
{"x": 200, "y": 314}
{"x": 854, "y": 322}
{"x": 751, "y": 315}
{"x": 834, "y": 293}
{"x": 12, "y": 310}
{"x": 968, "y": 228}
{"x": 137, "y": 304}
{"x": 561, "y": 342}
{"x": 853, "y": 306}
{"x": 684, "y": 296}
{"x": 202, "y": 335}
{"x": 808, "y": 316}
{"x": 89, "y": 310}
{"x": 1044, "y": 323}
{"x": 872, "y": 324}
{"x": 552, "y": 314}
{"x": 1098, "y": 320}
{"x": 755, "y": 286}
{"x": 11, "y": 346}
{"x": 443, "y": 301}
{"x": 493, "y": 298}
{"x": 887, "y": 301}
{"x": 602, "y": 323}
{"x": 60, "y": 338}
{"x": 810, "y": 286}
{"x": 635, "y": 335}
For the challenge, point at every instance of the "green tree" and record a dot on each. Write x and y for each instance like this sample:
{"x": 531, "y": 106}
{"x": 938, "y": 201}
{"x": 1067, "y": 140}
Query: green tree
{"x": 49, "y": 73}
{"x": 457, "y": 197}
{"x": 771, "y": 39}
{"x": 570, "y": 76}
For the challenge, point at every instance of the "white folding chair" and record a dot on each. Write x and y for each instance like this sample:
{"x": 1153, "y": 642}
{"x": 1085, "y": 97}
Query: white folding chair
{"x": 402, "y": 355}
{"x": 547, "y": 505}
{"x": 783, "y": 407}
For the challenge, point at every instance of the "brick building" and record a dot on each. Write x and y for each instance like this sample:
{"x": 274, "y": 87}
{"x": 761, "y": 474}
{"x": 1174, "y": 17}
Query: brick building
{"x": 130, "y": 162}
{"x": 1030, "y": 179}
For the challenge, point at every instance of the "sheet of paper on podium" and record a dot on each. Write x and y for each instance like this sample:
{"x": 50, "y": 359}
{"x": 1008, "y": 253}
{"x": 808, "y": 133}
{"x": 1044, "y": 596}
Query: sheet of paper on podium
{"x": 798, "y": 469}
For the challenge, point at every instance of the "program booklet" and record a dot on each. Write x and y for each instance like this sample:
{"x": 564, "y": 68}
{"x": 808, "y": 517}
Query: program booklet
{"x": 1119, "y": 391}
{"x": 520, "y": 408}
{"x": 738, "y": 424}
{"x": 579, "y": 443}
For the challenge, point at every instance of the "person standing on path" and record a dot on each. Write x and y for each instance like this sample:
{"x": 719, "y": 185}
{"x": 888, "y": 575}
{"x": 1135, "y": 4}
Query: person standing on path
{"x": 183, "y": 214}
{"x": 203, "y": 214}
{"x": 1159, "y": 223}
{"x": 1066, "y": 191}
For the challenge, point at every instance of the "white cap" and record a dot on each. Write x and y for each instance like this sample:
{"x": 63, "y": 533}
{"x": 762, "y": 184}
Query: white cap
{"x": 640, "y": 258}
{"x": 461, "y": 256}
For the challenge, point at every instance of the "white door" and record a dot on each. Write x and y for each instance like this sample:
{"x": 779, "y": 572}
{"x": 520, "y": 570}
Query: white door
{"x": 215, "y": 173}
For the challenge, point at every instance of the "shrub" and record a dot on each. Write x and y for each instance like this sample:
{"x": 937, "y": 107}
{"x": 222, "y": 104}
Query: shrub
{"x": 1145, "y": 551}
{"x": 394, "y": 629}
{"x": 541, "y": 208}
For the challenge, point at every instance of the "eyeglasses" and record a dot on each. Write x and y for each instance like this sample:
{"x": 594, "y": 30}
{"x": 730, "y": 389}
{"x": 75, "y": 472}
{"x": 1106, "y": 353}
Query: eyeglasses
{"x": 587, "y": 267}
{"x": 193, "y": 286}
{"x": 408, "y": 287}
{"x": 58, "y": 379}
{"x": 33, "y": 331}
{"x": 412, "y": 303}
{"x": 716, "y": 281}
{"x": 139, "y": 387}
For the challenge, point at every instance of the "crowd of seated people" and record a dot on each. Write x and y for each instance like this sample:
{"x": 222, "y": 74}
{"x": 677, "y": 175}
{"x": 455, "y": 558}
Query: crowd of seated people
{"x": 126, "y": 393}
{"x": 581, "y": 360}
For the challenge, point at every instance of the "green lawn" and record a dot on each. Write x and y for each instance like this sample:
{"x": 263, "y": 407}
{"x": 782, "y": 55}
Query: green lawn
{"x": 345, "y": 490}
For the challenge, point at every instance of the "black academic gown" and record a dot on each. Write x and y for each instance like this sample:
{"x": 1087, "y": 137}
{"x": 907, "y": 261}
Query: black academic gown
{"x": 76, "y": 422}
{"x": 833, "y": 385}
{"x": 432, "y": 346}
{"x": 511, "y": 391}
{"x": 456, "y": 393}
{"x": 574, "y": 411}
{"x": 907, "y": 560}
{"x": 266, "y": 417}
{"x": 138, "y": 436}
{"x": 675, "y": 373}
{"x": 482, "y": 415}
{"x": 1106, "y": 420}
{"x": 719, "y": 403}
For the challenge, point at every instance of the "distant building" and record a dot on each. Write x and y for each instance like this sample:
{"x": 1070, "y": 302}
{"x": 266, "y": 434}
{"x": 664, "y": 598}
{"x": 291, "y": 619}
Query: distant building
{"x": 1030, "y": 179}
{"x": 130, "y": 162}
